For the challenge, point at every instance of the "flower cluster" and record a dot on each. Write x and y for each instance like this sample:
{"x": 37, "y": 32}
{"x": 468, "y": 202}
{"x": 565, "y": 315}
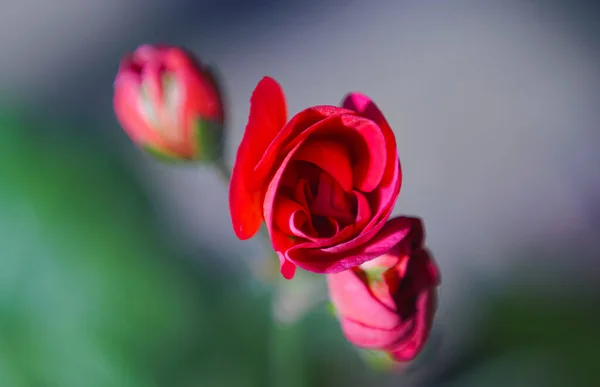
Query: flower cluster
{"x": 324, "y": 183}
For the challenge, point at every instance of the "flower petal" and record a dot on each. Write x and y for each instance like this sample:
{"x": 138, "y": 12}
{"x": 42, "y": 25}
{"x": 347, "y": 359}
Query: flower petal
{"x": 365, "y": 336}
{"x": 332, "y": 201}
{"x": 296, "y": 125}
{"x": 200, "y": 97}
{"x": 410, "y": 346}
{"x": 391, "y": 181}
{"x": 279, "y": 240}
{"x": 331, "y": 156}
{"x": 353, "y": 299}
{"x": 126, "y": 106}
{"x": 336, "y": 259}
{"x": 289, "y": 215}
{"x": 363, "y": 211}
{"x": 365, "y": 106}
{"x": 267, "y": 118}
{"x": 363, "y": 138}
{"x": 288, "y": 269}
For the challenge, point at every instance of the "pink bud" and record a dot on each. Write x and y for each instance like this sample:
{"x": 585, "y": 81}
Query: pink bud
{"x": 388, "y": 304}
{"x": 168, "y": 103}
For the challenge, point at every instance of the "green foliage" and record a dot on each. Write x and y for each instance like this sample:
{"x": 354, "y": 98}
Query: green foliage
{"x": 564, "y": 329}
{"x": 533, "y": 339}
{"x": 90, "y": 292}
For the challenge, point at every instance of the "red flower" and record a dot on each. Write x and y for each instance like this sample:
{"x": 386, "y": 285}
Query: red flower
{"x": 325, "y": 182}
{"x": 167, "y": 102}
{"x": 388, "y": 304}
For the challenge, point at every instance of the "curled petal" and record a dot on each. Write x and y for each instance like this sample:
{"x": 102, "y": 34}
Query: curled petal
{"x": 298, "y": 123}
{"x": 332, "y": 260}
{"x": 365, "y": 140}
{"x": 290, "y": 216}
{"x": 392, "y": 178}
{"x": 267, "y": 117}
{"x": 363, "y": 211}
{"x": 125, "y": 103}
{"x": 353, "y": 300}
{"x": 370, "y": 337}
{"x": 410, "y": 346}
{"x": 332, "y": 157}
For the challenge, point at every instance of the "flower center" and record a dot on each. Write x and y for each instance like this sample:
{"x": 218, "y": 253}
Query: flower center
{"x": 327, "y": 207}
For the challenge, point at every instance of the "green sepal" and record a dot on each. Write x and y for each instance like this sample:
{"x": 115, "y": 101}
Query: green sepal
{"x": 375, "y": 274}
{"x": 162, "y": 155}
{"x": 331, "y": 310}
{"x": 209, "y": 140}
{"x": 378, "y": 360}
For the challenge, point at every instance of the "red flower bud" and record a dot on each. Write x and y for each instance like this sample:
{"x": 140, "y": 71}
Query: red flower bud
{"x": 388, "y": 304}
{"x": 169, "y": 104}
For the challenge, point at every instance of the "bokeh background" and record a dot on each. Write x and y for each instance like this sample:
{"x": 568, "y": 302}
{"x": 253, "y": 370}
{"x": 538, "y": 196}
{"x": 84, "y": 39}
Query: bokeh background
{"x": 116, "y": 270}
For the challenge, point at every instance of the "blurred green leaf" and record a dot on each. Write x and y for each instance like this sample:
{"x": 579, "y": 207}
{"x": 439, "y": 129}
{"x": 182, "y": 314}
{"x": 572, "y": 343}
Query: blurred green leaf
{"x": 565, "y": 328}
{"x": 91, "y": 294}
{"x": 532, "y": 338}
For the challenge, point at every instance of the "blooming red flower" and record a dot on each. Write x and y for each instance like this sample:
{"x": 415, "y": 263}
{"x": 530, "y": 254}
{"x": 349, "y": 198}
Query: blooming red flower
{"x": 168, "y": 103}
{"x": 325, "y": 182}
{"x": 388, "y": 303}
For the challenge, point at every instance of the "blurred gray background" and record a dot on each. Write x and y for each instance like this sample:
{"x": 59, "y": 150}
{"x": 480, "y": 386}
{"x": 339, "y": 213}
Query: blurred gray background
{"x": 495, "y": 106}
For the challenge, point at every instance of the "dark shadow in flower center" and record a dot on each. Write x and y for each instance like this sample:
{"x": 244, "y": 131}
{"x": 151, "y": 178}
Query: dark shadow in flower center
{"x": 327, "y": 207}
